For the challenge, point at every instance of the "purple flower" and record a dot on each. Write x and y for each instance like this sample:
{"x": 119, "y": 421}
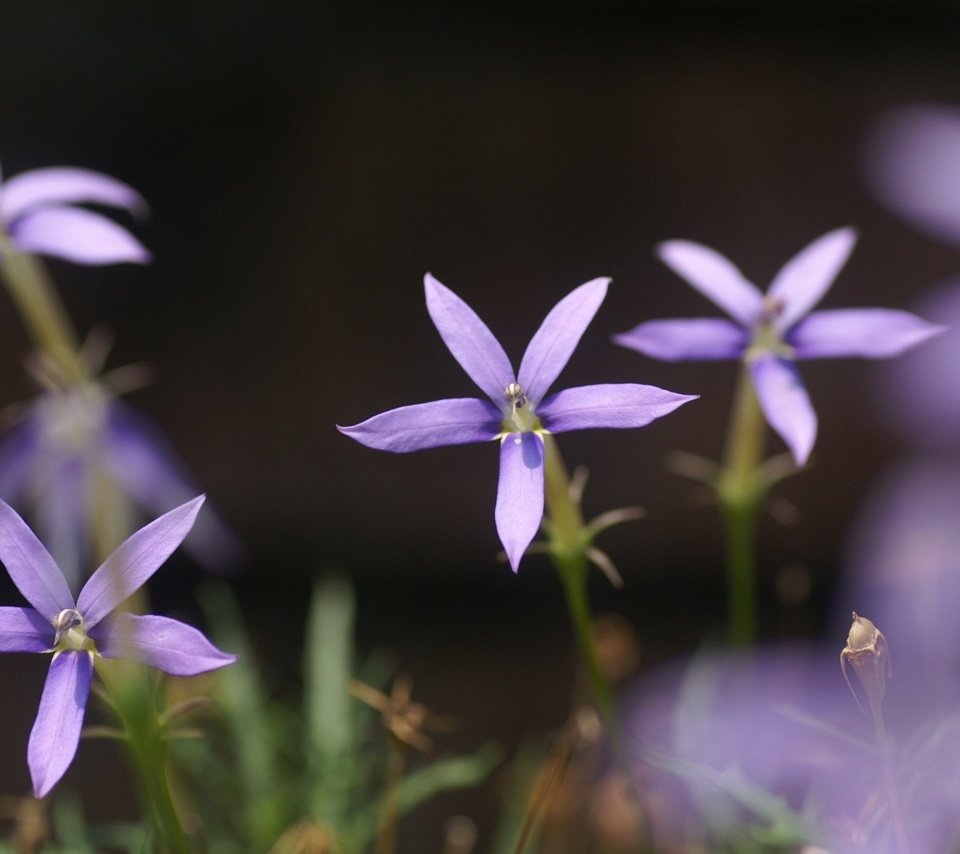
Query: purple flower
{"x": 771, "y": 331}
{"x": 912, "y": 164}
{"x": 76, "y": 448}
{"x": 37, "y": 211}
{"x": 78, "y": 631}
{"x": 518, "y": 411}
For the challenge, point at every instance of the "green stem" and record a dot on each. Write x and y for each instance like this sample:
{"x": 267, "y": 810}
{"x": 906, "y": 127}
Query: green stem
{"x": 41, "y": 311}
{"x": 132, "y": 694}
{"x": 740, "y": 491}
{"x": 569, "y": 540}
{"x": 741, "y": 550}
{"x": 573, "y": 576}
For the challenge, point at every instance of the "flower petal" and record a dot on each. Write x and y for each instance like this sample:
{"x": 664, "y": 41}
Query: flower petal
{"x": 682, "y": 339}
{"x": 134, "y": 561}
{"x": 35, "y": 573}
{"x": 785, "y": 404}
{"x": 714, "y": 276}
{"x": 64, "y": 185}
{"x": 609, "y": 405}
{"x": 457, "y": 421}
{"x": 873, "y": 333}
{"x": 554, "y": 342}
{"x": 18, "y": 453}
{"x": 148, "y": 470}
{"x": 913, "y": 165}
{"x": 806, "y": 277}
{"x": 467, "y": 337}
{"x": 77, "y": 235}
{"x": 168, "y": 645}
{"x": 56, "y": 731}
{"x": 24, "y": 630}
{"x": 519, "y": 508}
{"x": 60, "y": 499}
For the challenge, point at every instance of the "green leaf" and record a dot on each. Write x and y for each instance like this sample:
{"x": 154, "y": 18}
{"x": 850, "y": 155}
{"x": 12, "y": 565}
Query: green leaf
{"x": 264, "y": 809}
{"x": 328, "y": 664}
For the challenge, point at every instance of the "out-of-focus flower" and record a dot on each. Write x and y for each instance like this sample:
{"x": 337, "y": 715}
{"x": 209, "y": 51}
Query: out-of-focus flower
{"x": 920, "y": 393}
{"x": 518, "y": 412}
{"x": 772, "y": 331}
{"x": 768, "y": 746}
{"x": 79, "y": 459}
{"x": 912, "y": 164}
{"x": 78, "y": 631}
{"x": 38, "y": 211}
{"x": 903, "y": 568}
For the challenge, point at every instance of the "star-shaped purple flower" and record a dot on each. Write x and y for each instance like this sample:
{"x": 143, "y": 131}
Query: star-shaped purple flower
{"x": 771, "y": 331}
{"x": 37, "y": 211}
{"x": 518, "y": 411}
{"x": 76, "y": 444}
{"x": 78, "y": 631}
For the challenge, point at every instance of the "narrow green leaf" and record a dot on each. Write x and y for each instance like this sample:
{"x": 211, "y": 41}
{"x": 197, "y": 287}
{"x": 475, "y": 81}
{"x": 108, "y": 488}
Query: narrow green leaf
{"x": 328, "y": 664}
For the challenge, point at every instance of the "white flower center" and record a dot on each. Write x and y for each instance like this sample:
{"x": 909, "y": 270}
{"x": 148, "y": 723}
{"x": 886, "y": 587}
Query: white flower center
{"x": 766, "y": 337}
{"x": 70, "y": 632}
{"x": 520, "y": 417}
{"x": 72, "y": 419}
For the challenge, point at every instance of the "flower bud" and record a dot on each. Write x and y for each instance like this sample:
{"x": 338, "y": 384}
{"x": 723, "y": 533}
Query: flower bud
{"x": 867, "y": 653}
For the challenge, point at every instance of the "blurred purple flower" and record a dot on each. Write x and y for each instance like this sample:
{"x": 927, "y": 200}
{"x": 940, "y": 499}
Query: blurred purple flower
{"x": 519, "y": 412}
{"x": 37, "y": 210}
{"x": 771, "y": 741}
{"x": 773, "y": 330}
{"x": 78, "y": 631}
{"x": 903, "y": 568}
{"x": 78, "y": 447}
{"x": 912, "y": 163}
{"x": 920, "y": 393}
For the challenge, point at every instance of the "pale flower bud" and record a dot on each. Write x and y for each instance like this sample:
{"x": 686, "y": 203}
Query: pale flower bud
{"x": 867, "y": 653}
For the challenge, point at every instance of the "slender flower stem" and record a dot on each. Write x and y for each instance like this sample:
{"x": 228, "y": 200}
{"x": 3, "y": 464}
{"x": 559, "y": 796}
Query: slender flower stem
{"x": 740, "y": 492}
{"x": 568, "y": 551}
{"x": 42, "y": 311}
{"x": 570, "y": 539}
{"x": 131, "y": 692}
{"x": 889, "y": 782}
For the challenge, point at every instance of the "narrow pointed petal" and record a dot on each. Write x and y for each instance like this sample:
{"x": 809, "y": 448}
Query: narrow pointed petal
{"x": 554, "y": 342}
{"x": 163, "y": 643}
{"x": 60, "y": 507}
{"x": 56, "y": 731}
{"x": 18, "y": 455}
{"x": 682, "y": 339}
{"x": 65, "y": 185}
{"x": 467, "y": 337}
{"x": 30, "y": 565}
{"x": 142, "y": 461}
{"x": 134, "y": 561}
{"x": 24, "y": 630}
{"x": 785, "y": 404}
{"x": 873, "y": 333}
{"x": 806, "y": 277}
{"x": 519, "y": 493}
{"x": 610, "y": 405}
{"x": 714, "y": 276}
{"x": 77, "y": 235}
{"x": 457, "y": 421}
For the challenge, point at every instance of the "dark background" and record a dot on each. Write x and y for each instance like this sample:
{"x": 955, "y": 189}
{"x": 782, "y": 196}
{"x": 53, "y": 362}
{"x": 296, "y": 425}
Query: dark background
{"x": 306, "y": 163}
